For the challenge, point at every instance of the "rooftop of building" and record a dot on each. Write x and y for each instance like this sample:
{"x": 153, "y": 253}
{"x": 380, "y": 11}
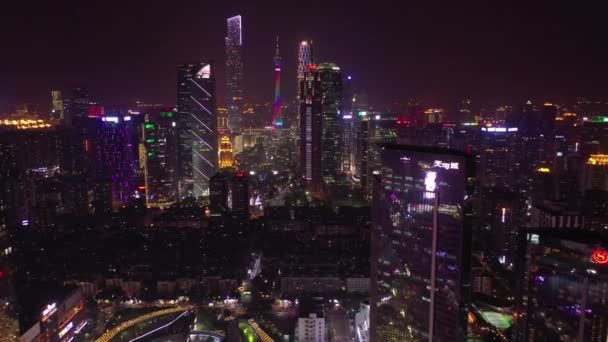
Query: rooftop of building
{"x": 311, "y": 305}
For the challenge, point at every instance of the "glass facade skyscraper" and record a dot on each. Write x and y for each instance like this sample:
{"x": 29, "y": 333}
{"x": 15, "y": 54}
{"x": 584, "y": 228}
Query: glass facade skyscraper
{"x": 160, "y": 158}
{"x": 421, "y": 235}
{"x": 563, "y": 277}
{"x": 197, "y": 128}
{"x": 234, "y": 73}
{"x": 310, "y": 150}
{"x": 331, "y": 139}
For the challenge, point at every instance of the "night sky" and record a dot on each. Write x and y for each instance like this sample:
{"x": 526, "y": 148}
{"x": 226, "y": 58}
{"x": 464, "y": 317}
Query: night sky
{"x": 127, "y": 50}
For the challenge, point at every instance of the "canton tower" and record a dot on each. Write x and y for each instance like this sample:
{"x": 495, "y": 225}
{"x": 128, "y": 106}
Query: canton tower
{"x": 277, "y": 120}
{"x": 234, "y": 73}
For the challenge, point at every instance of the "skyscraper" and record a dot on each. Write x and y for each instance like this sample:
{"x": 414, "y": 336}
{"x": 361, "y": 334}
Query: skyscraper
{"x": 57, "y": 108}
{"x": 420, "y": 249}
{"x": 197, "y": 128}
{"x": 160, "y": 159}
{"x": 331, "y": 138}
{"x": 80, "y": 102}
{"x": 218, "y": 198}
{"x": 562, "y": 286}
{"x": 348, "y": 131}
{"x": 311, "y": 118}
{"x": 115, "y": 156}
{"x": 239, "y": 188}
{"x": 277, "y": 120}
{"x": 234, "y": 73}
{"x": 305, "y": 58}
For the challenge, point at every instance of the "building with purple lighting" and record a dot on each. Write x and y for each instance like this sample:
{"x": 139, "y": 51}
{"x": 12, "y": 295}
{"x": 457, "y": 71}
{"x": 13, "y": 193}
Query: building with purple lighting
{"x": 421, "y": 245}
{"x": 197, "y": 128}
{"x": 115, "y": 153}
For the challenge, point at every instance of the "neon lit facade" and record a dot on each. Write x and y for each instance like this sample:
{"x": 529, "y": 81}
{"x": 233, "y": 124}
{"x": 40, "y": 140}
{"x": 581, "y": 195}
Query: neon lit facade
{"x": 115, "y": 152}
{"x": 305, "y": 58}
{"x": 197, "y": 128}
{"x": 234, "y": 72}
{"x": 277, "y": 120}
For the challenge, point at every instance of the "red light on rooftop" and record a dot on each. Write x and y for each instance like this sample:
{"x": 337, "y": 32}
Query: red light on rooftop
{"x": 141, "y": 187}
{"x": 600, "y": 256}
{"x": 240, "y": 174}
{"x": 311, "y": 67}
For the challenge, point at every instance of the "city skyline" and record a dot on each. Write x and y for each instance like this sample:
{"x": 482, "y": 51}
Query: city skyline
{"x": 508, "y": 53}
{"x": 412, "y": 172}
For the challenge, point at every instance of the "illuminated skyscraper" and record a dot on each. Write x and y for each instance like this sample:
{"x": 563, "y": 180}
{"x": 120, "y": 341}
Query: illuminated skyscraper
{"x": 562, "y": 277}
{"x": 311, "y": 118}
{"x": 348, "y": 129}
{"x": 331, "y": 139}
{"x": 115, "y": 156}
{"x": 160, "y": 159}
{"x": 57, "y": 109}
{"x": 305, "y": 58}
{"x": 197, "y": 128}
{"x": 277, "y": 120}
{"x": 421, "y": 245}
{"x": 234, "y": 73}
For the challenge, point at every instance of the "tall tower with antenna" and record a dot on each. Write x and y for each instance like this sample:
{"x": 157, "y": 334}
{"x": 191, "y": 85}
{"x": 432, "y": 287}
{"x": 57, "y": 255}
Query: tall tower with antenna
{"x": 305, "y": 58}
{"x": 277, "y": 119}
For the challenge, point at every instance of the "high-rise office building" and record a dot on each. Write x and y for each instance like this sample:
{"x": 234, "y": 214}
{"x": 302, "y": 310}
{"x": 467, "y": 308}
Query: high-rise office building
{"x": 348, "y": 129}
{"x": 311, "y": 118}
{"x": 277, "y": 119}
{"x": 115, "y": 156}
{"x": 501, "y": 158}
{"x": 57, "y": 105}
{"x": 332, "y": 130}
{"x": 239, "y": 190}
{"x": 421, "y": 245}
{"x": 305, "y": 58}
{"x": 197, "y": 128}
{"x": 80, "y": 102}
{"x": 218, "y": 198}
{"x": 562, "y": 286}
{"x": 234, "y": 73}
{"x": 375, "y": 130}
{"x": 160, "y": 158}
